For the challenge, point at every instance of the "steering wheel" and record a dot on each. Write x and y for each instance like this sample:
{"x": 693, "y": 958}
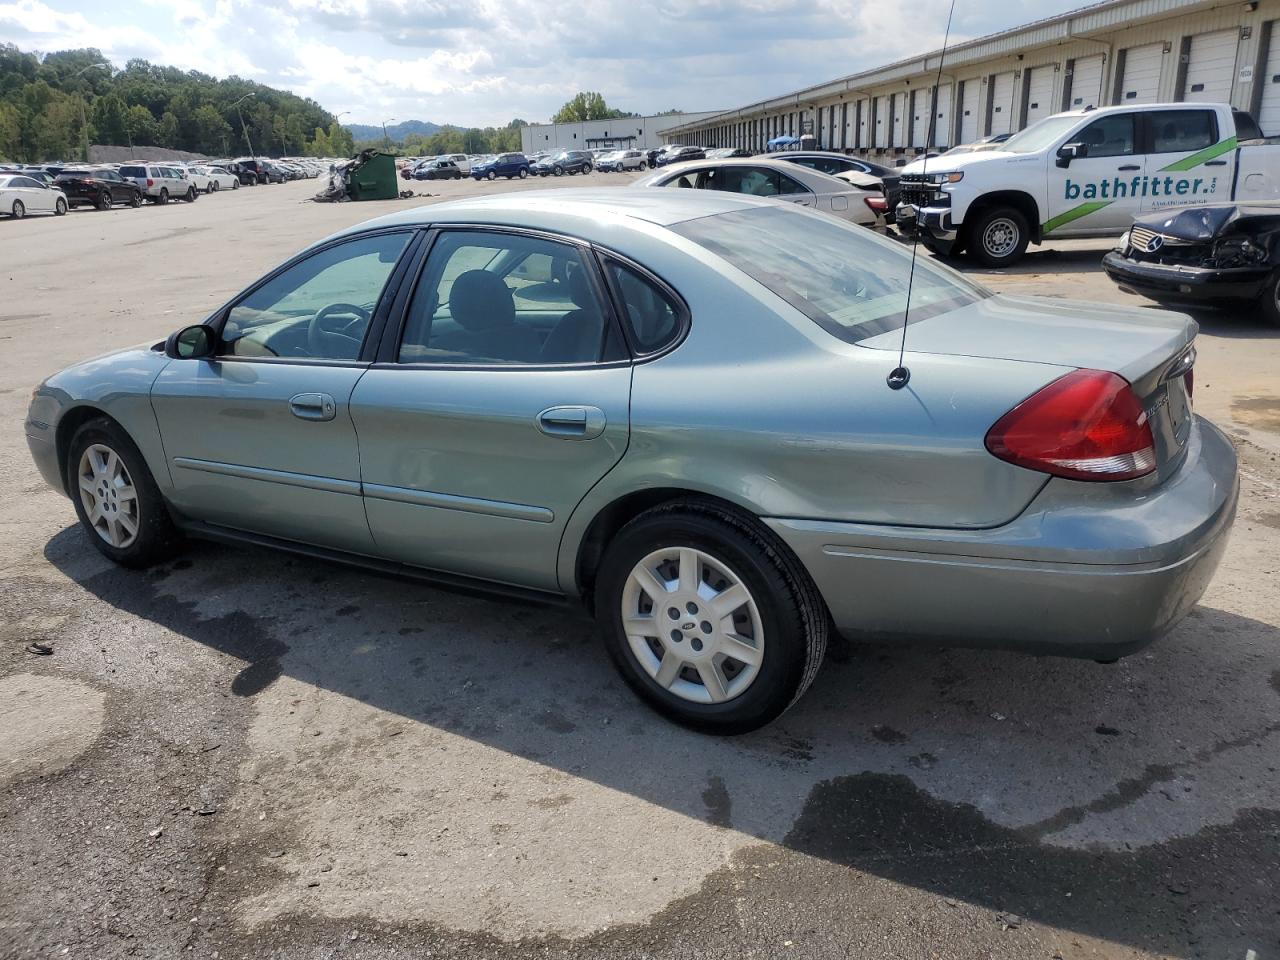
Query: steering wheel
{"x": 322, "y": 338}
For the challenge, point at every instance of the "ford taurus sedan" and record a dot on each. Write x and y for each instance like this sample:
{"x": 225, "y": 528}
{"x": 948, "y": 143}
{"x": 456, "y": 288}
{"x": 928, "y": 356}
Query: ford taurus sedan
{"x": 645, "y": 402}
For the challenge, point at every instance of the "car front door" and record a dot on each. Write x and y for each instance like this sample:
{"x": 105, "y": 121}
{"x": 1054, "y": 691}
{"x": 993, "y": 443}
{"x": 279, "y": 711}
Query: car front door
{"x": 1188, "y": 161}
{"x": 1101, "y": 191}
{"x": 259, "y": 437}
{"x": 501, "y": 400}
{"x": 35, "y": 196}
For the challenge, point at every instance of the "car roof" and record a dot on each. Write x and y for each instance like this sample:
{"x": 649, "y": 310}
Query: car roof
{"x": 583, "y": 212}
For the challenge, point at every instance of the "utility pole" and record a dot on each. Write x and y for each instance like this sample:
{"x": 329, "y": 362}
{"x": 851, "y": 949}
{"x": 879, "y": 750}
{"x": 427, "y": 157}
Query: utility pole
{"x": 386, "y": 140}
{"x": 244, "y": 128}
{"x": 84, "y": 120}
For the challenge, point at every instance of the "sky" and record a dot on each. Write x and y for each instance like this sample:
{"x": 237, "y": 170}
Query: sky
{"x": 484, "y": 62}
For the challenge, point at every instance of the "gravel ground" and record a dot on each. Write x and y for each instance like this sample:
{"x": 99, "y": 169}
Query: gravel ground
{"x": 244, "y": 754}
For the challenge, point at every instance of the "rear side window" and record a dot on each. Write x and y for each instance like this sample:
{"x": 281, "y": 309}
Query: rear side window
{"x": 651, "y": 315}
{"x": 1181, "y": 131}
{"x": 828, "y": 165}
{"x": 1246, "y": 127}
{"x": 133, "y": 172}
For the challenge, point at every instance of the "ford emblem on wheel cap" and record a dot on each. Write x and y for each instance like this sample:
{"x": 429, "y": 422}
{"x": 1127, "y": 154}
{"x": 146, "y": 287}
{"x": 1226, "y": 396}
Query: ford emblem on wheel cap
{"x": 1155, "y": 243}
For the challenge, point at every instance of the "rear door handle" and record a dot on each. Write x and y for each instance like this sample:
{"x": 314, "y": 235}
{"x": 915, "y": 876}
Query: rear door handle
{"x": 1215, "y": 163}
{"x": 313, "y": 406}
{"x": 1129, "y": 166}
{"x": 572, "y": 422}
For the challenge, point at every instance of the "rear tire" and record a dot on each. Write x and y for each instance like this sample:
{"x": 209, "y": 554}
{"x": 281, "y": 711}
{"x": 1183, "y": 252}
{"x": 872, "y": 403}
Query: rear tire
{"x": 164, "y": 196}
{"x": 135, "y": 199}
{"x": 999, "y": 237}
{"x": 19, "y": 210}
{"x": 781, "y": 614}
{"x": 154, "y": 537}
{"x": 104, "y": 201}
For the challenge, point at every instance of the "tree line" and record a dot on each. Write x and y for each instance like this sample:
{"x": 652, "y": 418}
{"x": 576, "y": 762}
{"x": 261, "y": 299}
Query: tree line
{"x": 454, "y": 140}
{"x": 52, "y": 107}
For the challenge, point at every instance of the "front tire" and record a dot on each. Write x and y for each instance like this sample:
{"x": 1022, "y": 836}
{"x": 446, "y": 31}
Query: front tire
{"x": 116, "y": 498}
{"x": 60, "y": 207}
{"x": 492, "y": 175}
{"x": 191, "y": 195}
{"x": 558, "y": 171}
{"x": 749, "y": 628}
{"x": 999, "y": 238}
{"x": 164, "y": 196}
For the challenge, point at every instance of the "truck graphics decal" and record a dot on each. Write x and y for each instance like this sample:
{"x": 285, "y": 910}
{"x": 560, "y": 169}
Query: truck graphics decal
{"x": 1102, "y": 193}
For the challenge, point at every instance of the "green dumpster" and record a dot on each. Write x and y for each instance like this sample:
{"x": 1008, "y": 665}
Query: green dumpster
{"x": 373, "y": 177}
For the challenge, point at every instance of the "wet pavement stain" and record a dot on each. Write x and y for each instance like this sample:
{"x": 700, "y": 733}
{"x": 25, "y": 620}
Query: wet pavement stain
{"x": 719, "y": 804}
{"x": 888, "y": 734}
{"x": 1270, "y": 520}
{"x": 1215, "y": 889}
{"x": 1260, "y": 412}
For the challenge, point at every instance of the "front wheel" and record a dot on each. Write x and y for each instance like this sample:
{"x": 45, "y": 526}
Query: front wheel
{"x": 116, "y": 499}
{"x": 493, "y": 175}
{"x": 1269, "y": 301}
{"x": 558, "y": 171}
{"x": 164, "y": 196}
{"x": 709, "y": 617}
{"x": 191, "y": 195}
{"x": 999, "y": 238}
{"x": 235, "y": 184}
{"x": 60, "y": 207}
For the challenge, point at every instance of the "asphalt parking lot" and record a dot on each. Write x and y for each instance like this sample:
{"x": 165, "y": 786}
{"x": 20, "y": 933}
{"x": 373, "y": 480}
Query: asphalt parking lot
{"x": 244, "y": 754}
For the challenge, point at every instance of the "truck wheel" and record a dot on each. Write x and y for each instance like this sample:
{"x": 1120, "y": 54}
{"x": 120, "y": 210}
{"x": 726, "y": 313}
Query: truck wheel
{"x": 1269, "y": 302}
{"x": 999, "y": 237}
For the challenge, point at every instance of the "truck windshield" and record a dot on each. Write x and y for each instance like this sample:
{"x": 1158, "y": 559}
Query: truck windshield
{"x": 850, "y": 282}
{"x": 1040, "y": 135}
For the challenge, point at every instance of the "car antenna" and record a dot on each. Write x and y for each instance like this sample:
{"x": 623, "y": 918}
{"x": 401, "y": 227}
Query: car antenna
{"x": 900, "y": 376}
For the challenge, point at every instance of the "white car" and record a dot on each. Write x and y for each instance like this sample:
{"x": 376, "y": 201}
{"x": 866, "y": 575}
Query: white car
{"x": 198, "y": 177}
{"x": 159, "y": 183}
{"x": 776, "y": 179}
{"x": 20, "y": 195}
{"x": 623, "y": 160}
{"x": 220, "y": 179}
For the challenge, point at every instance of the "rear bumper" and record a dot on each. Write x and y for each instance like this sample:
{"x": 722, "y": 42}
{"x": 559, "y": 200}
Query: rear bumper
{"x": 1089, "y": 570}
{"x": 1196, "y": 284}
{"x": 930, "y": 225}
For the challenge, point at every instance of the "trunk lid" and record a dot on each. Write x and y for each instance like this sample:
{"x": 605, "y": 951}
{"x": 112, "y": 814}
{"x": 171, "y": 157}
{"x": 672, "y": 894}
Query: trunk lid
{"x": 1152, "y": 349}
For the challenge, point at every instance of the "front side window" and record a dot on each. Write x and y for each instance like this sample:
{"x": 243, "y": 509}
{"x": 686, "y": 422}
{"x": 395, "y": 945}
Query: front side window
{"x": 496, "y": 298}
{"x": 1110, "y": 136}
{"x": 850, "y": 282}
{"x": 752, "y": 181}
{"x": 1181, "y": 131}
{"x": 320, "y": 307}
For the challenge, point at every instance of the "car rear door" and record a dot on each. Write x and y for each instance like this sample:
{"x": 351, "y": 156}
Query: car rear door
{"x": 498, "y": 402}
{"x": 1190, "y": 161}
{"x": 259, "y": 436}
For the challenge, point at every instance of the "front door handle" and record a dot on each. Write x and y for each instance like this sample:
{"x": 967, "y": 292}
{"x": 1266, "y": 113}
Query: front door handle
{"x": 572, "y": 423}
{"x": 313, "y": 406}
{"x": 1129, "y": 166}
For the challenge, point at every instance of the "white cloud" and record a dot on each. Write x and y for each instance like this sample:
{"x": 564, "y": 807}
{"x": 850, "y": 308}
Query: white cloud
{"x": 486, "y": 61}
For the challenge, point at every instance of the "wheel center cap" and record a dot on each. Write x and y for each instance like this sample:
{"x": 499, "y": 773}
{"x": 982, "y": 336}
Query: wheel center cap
{"x": 688, "y": 625}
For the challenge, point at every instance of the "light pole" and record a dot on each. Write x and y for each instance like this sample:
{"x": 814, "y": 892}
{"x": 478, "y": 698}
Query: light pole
{"x": 84, "y": 122}
{"x": 386, "y": 140}
{"x": 244, "y": 129}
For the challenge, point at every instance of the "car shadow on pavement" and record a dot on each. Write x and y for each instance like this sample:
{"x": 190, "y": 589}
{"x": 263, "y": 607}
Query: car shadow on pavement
{"x": 1132, "y": 802}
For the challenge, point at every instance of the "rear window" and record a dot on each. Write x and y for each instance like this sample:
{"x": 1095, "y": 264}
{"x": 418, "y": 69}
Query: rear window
{"x": 133, "y": 171}
{"x": 850, "y": 282}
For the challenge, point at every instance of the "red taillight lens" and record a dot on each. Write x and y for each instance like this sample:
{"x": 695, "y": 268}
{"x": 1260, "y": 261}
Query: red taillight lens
{"x": 878, "y": 204}
{"x": 1189, "y": 381}
{"x": 1087, "y": 425}
{"x": 150, "y": 182}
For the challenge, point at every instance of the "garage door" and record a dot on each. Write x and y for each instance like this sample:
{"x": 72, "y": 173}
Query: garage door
{"x": 882, "y": 122}
{"x": 1269, "y": 112}
{"x": 1141, "y": 82}
{"x": 1002, "y": 103}
{"x": 864, "y": 124}
{"x": 900, "y": 119}
{"x": 1040, "y": 94}
{"x": 1086, "y": 83}
{"x": 942, "y": 116}
{"x": 920, "y": 114}
{"x": 1211, "y": 67}
{"x": 970, "y": 121}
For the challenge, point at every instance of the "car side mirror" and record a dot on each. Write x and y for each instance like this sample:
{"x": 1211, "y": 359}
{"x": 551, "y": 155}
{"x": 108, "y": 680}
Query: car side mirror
{"x": 1072, "y": 151}
{"x": 191, "y": 343}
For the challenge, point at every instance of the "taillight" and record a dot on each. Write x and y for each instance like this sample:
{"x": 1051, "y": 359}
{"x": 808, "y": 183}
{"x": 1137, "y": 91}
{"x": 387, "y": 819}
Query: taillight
{"x": 877, "y": 204}
{"x": 150, "y": 182}
{"x": 1189, "y": 381}
{"x": 1087, "y": 425}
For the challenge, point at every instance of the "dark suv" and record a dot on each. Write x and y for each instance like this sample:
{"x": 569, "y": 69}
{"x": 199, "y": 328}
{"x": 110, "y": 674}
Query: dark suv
{"x": 99, "y": 187}
{"x": 567, "y": 161}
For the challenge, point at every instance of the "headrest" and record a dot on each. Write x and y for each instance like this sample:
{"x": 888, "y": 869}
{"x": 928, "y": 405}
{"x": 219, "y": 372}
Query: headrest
{"x": 480, "y": 300}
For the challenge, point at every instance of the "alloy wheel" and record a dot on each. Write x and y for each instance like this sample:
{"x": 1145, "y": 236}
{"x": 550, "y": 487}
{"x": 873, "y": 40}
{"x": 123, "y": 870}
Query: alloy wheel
{"x": 108, "y": 495}
{"x": 19, "y": 211}
{"x": 692, "y": 625}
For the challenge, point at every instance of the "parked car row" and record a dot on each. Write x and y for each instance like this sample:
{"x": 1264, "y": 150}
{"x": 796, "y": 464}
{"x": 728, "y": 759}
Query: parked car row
{"x": 58, "y": 187}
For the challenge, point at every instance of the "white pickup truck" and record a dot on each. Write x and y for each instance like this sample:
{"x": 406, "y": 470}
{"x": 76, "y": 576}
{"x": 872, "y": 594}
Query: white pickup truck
{"x": 1084, "y": 173}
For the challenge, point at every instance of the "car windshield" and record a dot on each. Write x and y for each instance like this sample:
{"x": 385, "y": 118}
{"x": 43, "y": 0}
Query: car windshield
{"x": 1044, "y": 133}
{"x": 849, "y": 281}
